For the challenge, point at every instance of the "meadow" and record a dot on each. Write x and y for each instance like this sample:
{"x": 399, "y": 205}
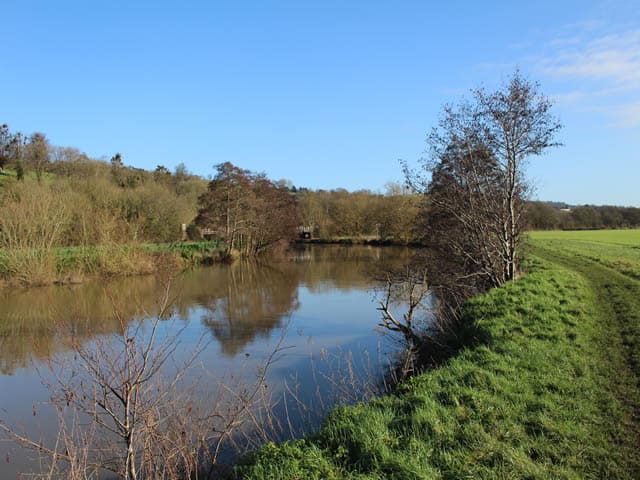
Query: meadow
{"x": 545, "y": 385}
{"x": 617, "y": 249}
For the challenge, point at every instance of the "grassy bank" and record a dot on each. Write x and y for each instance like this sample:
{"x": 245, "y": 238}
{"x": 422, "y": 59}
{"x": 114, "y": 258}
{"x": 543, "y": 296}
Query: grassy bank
{"x": 73, "y": 264}
{"x": 546, "y": 388}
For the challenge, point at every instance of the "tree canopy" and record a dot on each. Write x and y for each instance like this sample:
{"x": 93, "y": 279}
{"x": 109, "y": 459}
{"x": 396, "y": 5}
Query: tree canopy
{"x": 247, "y": 210}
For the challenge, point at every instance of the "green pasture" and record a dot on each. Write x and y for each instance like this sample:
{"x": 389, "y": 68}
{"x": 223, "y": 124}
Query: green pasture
{"x": 608, "y": 237}
{"x": 616, "y": 249}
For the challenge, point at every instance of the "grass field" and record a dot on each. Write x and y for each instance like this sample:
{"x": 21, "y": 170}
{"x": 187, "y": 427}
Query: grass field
{"x": 605, "y": 237}
{"x": 546, "y": 388}
{"x": 617, "y": 249}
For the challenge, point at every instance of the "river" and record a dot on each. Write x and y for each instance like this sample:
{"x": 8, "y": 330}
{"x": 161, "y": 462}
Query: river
{"x": 318, "y": 306}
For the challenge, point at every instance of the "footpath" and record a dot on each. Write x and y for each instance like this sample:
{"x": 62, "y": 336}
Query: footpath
{"x": 617, "y": 309}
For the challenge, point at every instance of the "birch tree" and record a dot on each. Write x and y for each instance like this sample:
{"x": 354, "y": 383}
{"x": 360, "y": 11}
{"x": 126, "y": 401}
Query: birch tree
{"x": 475, "y": 183}
{"x": 515, "y": 123}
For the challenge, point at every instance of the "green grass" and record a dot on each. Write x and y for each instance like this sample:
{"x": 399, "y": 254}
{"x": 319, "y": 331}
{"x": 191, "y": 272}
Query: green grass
{"x": 609, "y": 237}
{"x": 191, "y": 252}
{"x": 612, "y": 272}
{"x": 547, "y": 388}
{"x": 617, "y": 249}
{"x": 9, "y": 175}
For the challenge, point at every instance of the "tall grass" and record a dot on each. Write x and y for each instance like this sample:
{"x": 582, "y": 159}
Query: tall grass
{"x": 30, "y": 267}
{"x": 80, "y": 222}
{"x": 33, "y": 267}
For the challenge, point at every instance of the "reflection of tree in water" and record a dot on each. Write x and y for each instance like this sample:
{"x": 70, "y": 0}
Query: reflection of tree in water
{"x": 242, "y": 300}
{"x": 255, "y": 299}
{"x": 258, "y": 296}
{"x": 347, "y": 267}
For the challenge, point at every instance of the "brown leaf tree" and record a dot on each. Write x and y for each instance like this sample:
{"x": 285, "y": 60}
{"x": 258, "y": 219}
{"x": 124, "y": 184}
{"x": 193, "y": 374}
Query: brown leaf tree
{"x": 249, "y": 212}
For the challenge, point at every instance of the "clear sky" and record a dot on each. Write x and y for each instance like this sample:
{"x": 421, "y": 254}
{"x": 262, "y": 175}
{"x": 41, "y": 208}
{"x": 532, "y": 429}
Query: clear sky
{"x": 324, "y": 93}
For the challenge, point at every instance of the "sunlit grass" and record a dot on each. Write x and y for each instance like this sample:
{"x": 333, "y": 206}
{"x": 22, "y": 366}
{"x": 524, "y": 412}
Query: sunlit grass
{"x": 70, "y": 264}
{"x": 619, "y": 237}
{"x": 536, "y": 394}
{"x": 617, "y": 249}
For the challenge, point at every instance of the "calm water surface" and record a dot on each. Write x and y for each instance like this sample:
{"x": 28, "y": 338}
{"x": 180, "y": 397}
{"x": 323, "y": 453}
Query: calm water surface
{"x": 321, "y": 302}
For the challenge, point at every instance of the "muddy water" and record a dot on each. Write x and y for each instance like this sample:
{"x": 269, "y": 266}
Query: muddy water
{"x": 319, "y": 304}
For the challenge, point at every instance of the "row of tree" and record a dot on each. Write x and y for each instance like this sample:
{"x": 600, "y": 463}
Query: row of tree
{"x": 470, "y": 194}
{"x": 99, "y": 202}
{"x": 23, "y": 151}
{"x": 252, "y": 213}
{"x": 545, "y": 216}
{"x": 339, "y": 213}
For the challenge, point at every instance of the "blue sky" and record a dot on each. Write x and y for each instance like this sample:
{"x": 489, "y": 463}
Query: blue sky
{"x": 326, "y": 93}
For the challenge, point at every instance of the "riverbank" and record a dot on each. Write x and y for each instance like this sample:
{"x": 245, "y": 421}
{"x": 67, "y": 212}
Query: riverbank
{"x": 547, "y": 387}
{"x": 74, "y": 264}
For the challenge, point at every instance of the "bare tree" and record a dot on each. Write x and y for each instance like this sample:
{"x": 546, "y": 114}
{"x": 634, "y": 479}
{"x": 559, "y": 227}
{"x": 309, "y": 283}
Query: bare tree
{"x": 119, "y": 412}
{"x": 5, "y": 144}
{"x": 476, "y": 186}
{"x": 130, "y": 418}
{"x": 247, "y": 210}
{"x": 408, "y": 286}
{"x": 36, "y": 154}
{"x": 515, "y": 123}
{"x": 407, "y": 289}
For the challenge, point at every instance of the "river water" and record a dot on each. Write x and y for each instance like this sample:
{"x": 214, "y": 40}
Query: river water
{"x": 318, "y": 306}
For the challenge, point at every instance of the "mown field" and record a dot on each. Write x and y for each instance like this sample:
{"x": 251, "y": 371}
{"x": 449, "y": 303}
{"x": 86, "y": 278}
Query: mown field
{"x": 617, "y": 249}
{"x": 546, "y": 387}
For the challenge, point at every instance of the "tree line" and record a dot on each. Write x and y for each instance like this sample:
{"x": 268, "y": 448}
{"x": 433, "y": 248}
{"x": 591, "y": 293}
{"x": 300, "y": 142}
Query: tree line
{"x": 252, "y": 213}
{"x": 361, "y": 214}
{"x": 547, "y": 216}
{"x": 54, "y": 196}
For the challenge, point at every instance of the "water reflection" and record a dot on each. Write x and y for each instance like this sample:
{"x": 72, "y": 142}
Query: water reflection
{"x": 320, "y": 300}
{"x": 238, "y": 303}
{"x": 38, "y": 322}
{"x": 249, "y": 301}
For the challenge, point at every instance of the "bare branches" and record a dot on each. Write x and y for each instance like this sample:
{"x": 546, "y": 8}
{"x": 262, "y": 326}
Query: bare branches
{"x": 477, "y": 188}
{"x": 118, "y": 412}
{"x": 409, "y": 288}
{"x": 247, "y": 210}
